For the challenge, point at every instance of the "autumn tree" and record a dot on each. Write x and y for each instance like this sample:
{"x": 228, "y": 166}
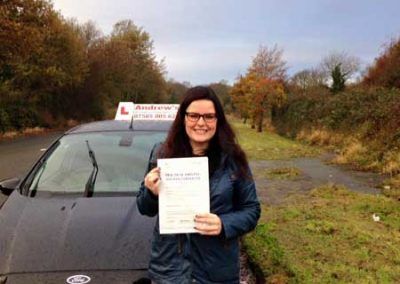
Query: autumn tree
{"x": 53, "y": 69}
{"x": 268, "y": 63}
{"x": 143, "y": 75}
{"x": 241, "y": 96}
{"x": 267, "y": 94}
{"x": 263, "y": 84}
{"x": 41, "y": 58}
{"x": 385, "y": 71}
{"x": 122, "y": 67}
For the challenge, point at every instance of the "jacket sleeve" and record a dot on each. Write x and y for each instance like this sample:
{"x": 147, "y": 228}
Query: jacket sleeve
{"x": 246, "y": 209}
{"x": 146, "y": 201}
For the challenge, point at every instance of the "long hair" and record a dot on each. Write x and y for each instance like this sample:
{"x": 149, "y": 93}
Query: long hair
{"x": 177, "y": 144}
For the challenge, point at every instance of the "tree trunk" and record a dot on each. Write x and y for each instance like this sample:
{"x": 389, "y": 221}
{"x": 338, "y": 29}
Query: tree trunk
{"x": 260, "y": 121}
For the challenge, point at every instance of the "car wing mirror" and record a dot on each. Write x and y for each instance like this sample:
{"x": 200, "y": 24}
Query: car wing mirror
{"x": 8, "y": 185}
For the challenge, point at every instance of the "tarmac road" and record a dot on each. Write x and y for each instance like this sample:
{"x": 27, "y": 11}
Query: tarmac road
{"x": 18, "y": 155}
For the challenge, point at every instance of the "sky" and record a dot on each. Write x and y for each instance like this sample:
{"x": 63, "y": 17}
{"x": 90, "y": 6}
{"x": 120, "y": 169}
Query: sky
{"x": 205, "y": 41}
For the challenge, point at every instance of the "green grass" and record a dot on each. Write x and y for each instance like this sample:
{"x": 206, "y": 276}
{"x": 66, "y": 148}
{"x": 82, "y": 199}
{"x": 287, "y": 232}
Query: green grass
{"x": 270, "y": 146}
{"x": 328, "y": 236}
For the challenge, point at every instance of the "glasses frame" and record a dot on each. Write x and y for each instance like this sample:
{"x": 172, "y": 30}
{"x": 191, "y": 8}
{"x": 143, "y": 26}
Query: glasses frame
{"x": 205, "y": 119}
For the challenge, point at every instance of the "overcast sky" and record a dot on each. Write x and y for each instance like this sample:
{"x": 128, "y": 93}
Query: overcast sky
{"x": 204, "y": 41}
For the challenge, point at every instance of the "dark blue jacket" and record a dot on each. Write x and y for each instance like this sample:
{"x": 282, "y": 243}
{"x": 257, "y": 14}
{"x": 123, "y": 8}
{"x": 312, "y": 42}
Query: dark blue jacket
{"x": 178, "y": 258}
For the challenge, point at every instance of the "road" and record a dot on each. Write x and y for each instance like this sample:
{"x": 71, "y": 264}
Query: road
{"x": 18, "y": 155}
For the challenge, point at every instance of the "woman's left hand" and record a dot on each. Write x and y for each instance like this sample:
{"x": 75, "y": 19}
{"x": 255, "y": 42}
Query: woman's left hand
{"x": 208, "y": 224}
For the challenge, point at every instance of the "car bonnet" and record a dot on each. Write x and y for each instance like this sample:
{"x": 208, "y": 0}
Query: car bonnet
{"x": 60, "y": 234}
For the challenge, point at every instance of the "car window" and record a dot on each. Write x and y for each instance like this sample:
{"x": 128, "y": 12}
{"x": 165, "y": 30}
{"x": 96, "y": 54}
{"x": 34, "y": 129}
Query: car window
{"x": 121, "y": 157}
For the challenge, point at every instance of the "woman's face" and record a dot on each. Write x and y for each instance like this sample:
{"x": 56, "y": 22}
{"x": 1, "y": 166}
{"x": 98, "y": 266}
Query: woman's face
{"x": 201, "y": 131}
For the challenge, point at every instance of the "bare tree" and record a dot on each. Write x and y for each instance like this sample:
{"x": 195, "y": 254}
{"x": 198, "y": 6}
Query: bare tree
{"x": 308, "y": 78}
{"x": 268, "y": 63}
{"x": 348, "y": 64}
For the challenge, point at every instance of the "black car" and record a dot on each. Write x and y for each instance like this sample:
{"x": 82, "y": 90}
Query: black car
{"x": 73, "y": 217}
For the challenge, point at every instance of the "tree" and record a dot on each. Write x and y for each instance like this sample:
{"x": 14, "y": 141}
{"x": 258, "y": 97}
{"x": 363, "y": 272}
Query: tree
{"x": 345, "y": 64}
{"x": 41, "y": 58}
{"x": 241, "y": 95}
{"x": 222, "y": 89}
{"x": 122, "y": 68}
{"x": 385, "y": 71}
{"x": 307, "y": 79}
{"x": 267, "y": 94}
{"x": 268, "y": 63}
{"x": 254, "y": 96}
{"x": 145, "y": 75}
{"x": 265, "y": 79}
{"x": 176, "y": 91}
{"x": 338, "y": 80}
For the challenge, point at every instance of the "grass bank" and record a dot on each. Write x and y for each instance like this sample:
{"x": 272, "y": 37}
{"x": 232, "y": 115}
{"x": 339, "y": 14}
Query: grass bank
{"x": 330, "y": 235}
{"x": 270, "y": 146}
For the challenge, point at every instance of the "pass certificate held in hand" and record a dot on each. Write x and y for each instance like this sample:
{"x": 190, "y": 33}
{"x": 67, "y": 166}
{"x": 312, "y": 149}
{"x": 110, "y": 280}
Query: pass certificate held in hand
{"x": 184, "y": 192}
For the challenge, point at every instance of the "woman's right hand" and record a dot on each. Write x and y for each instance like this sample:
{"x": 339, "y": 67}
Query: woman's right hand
{"x": 152, "y": 180}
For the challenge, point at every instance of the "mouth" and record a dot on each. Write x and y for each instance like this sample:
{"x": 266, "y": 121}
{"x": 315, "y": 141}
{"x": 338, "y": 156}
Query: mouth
{"x": 200, "y": 131}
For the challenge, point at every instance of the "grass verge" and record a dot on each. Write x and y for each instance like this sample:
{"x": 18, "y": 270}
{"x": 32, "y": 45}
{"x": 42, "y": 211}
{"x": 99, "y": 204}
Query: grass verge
{"x": 328, "y": 236}
{"x": 270, "y": 146}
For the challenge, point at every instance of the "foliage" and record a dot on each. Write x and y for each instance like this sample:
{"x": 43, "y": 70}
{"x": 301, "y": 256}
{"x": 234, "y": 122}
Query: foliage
{"x": 255, "y": 94}
{"x": 338, "y": 79}
{"x": 385, "y": 71}
{"x": 223, "y": 89}
{"x": 176, "y": 91}
{"x": 363, "y": 117}
{"x": 268, "y": 63}
{"x": 64, "y": 70}
{"x": 241, "y": 97}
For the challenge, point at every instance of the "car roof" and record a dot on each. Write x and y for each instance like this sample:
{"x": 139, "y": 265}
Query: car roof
{"x": 120, "y": 125}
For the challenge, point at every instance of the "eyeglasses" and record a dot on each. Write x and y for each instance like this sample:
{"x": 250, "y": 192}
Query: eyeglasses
{"x": 207, "y": 117}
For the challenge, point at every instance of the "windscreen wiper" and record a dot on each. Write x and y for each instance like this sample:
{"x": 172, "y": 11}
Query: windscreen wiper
{"x": 92, "y": 178}
{"x": 43, "y": 165}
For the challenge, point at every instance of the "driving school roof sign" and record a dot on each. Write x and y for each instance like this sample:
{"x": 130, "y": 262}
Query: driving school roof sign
{"x": 129, "y": 110}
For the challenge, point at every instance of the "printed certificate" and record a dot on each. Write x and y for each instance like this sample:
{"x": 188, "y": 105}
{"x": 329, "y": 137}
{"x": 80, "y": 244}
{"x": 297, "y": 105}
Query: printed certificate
{"x": 184, "y": 192}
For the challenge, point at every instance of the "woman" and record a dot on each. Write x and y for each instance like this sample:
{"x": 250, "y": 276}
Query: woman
{"x": 211, "y": 256}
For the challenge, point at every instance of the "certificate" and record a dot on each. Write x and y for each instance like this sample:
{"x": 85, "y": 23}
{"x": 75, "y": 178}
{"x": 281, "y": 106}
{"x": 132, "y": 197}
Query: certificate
{"x": 184, "y": 192}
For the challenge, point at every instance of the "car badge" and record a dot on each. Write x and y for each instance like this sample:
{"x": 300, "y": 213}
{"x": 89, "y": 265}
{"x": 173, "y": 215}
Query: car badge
{"x": 78, "y": 279}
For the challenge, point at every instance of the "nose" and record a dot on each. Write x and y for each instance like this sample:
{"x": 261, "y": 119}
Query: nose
{"x": 201, "y": 120}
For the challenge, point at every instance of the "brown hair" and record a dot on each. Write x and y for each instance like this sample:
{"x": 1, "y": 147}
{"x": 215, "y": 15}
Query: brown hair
{"x": 177, "y": 144}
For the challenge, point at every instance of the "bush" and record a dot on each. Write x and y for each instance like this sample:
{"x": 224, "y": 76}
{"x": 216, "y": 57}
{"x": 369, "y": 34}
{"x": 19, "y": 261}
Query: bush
{"x": 369, "y": 115}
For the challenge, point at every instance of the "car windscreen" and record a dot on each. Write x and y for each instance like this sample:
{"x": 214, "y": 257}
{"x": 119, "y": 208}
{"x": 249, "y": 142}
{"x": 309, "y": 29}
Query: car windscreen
{"x": 121, "y": 159}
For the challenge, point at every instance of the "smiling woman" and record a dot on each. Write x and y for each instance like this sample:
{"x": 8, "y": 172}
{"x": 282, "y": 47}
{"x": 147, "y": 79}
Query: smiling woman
{"x": 212, "y": 254}
{"x": 200, "y": 124}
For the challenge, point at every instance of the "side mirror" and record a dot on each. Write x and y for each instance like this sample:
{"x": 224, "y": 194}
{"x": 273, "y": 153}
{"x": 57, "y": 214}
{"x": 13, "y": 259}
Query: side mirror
{"x": 8, "y": 185}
